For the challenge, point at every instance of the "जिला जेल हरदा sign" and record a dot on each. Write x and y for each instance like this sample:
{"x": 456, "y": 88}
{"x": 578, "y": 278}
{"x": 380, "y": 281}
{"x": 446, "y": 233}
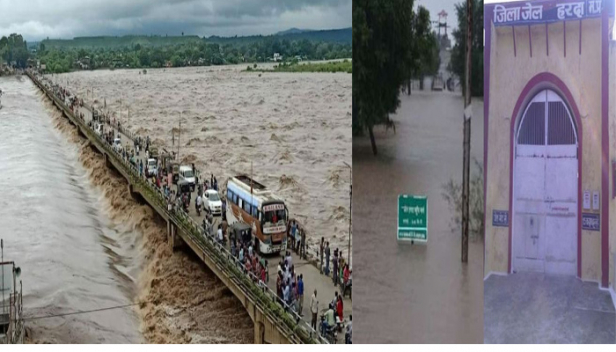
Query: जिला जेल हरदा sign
{"x": 534, "y": 12}
{"x": 412, "y": 218}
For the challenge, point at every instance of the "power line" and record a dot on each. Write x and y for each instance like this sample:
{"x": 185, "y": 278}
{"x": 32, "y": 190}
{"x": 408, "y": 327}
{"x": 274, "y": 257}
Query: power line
{"x": 84, "y": 311}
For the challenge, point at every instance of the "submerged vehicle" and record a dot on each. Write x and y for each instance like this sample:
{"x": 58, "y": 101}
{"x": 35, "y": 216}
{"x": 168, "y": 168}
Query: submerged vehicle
{"x": 252, "y": 203}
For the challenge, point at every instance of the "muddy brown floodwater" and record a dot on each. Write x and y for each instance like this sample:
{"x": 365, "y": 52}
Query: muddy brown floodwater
{"x": 295, "y": 128}
{"x": 415, "y": 293}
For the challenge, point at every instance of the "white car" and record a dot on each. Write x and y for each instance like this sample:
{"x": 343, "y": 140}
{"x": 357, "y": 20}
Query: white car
{"x": 186, "y": 173}
{"x": 98, "y": 129}
{"x": 117, "y": 145}
{"x": 212, "y": 202}
{"x": 152, "y": 167}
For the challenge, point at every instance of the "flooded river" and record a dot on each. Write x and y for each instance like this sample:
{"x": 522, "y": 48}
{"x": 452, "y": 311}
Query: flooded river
{"x": 84, "y": 244}
{"x": 56, "y": 227}
{"x": 415, "y": 293}
{"x": 295, "y": 129}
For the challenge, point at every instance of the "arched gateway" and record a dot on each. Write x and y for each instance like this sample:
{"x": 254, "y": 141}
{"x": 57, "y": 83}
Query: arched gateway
{"x": 545, "y": 188}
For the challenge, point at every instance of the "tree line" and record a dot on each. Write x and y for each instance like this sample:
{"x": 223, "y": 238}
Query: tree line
{"x": 200, "y": 53}
{"x": 392, "y": 44}
{"x": 13, "y": 49}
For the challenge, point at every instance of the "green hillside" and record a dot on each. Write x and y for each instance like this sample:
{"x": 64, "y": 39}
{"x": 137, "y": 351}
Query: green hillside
{"x": 335, "y": 36}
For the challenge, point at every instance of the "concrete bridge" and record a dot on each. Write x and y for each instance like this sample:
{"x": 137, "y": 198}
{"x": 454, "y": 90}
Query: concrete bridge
{"x": 272, "y": 324}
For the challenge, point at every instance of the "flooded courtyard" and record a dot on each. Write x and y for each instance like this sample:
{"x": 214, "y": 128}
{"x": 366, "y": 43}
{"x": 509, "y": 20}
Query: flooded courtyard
{"x": 416, "y": 293}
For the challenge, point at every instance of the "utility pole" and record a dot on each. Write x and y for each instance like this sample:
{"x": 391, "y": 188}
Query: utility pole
{"x": 350, "y": 211}
{"x": 467, "y": 130}
{"x": 179, "y": 135}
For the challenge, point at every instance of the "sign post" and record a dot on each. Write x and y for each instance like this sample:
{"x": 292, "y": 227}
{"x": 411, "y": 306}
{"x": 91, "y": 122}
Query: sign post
{"x": 412, "y": 218}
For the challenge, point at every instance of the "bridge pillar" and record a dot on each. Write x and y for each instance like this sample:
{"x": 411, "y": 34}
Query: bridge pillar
{"x": 259, "y": 332}
{"x": 174, "y": 239}
{"x": 107, "y": 162}
{"x": 131, "y": 191}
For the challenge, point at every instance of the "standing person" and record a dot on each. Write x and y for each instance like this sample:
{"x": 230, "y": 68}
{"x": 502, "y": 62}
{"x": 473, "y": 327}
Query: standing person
{"x": 224, "y": 210}
{"x": 300, "y": 294}
{"x": 198, "y": 202}
{"x": 321, "y": 249}
{"x": 293, "y": 229}
{"x": 302, "y": 251}
{"x": 340, "y": 308}
{"x": 298, "y": 240}
{"x": 286, "y": 292}
{"x": 327, "y": 253}
{"x": 314, "y": 309}
{"x": 289, "y": 259}
{"x": 335, "y": 273}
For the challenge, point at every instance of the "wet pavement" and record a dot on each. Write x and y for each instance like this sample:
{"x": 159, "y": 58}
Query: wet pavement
{"x": 539, "y": 308}
{"x": 416, "y": 293}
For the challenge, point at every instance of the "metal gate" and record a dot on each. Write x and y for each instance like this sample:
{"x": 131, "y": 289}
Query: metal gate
{"x": 545, "y": 188}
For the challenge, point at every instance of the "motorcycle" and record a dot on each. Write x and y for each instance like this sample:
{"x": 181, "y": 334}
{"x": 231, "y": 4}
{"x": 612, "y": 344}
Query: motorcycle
{"x": 328, "y": 332}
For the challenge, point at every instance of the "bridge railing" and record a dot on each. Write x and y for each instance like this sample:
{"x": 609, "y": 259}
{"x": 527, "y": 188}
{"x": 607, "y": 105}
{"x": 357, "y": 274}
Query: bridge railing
{"x": 259, "y": 292}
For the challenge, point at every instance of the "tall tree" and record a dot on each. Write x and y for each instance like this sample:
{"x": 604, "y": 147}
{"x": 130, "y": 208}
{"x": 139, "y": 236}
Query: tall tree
{"x": 456, "y": 65}
{"x": 382, "y": 40}
{"x": 425, "y": 47}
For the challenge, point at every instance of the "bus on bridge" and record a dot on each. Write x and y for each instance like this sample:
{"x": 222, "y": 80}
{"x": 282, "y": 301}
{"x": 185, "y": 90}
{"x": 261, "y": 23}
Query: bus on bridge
{"x": 252, "y": 203}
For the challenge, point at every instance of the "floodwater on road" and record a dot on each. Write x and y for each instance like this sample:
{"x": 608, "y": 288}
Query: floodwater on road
{"x": 56, "y": 227}
{"x": 292, "y": 129}
{"x": 416, "y": 293}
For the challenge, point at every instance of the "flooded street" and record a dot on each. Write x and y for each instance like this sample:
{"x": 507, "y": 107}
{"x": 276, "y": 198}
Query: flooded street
{"x": 56, "y": 227}
{"x": 295, "y": 129}
{"x": 416, "y": 293}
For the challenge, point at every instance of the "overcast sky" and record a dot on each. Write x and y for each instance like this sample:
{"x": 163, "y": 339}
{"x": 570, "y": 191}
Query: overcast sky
{"x": 39, "y": 19}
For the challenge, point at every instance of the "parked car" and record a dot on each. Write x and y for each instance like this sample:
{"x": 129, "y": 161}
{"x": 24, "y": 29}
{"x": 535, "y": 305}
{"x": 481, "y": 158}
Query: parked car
{"x": 152, "y": 167}
{"x": 186, "y": 174}
{"x": 98, "y": 129}
{"x": 117, "y": 145}
{"x": 212, "y": 202}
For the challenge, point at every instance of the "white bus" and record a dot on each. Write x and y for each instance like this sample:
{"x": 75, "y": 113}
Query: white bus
{"x": 252, "y": 203}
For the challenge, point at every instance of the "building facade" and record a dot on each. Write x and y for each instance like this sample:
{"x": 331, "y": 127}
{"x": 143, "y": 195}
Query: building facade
{"x": 550, "y": 139}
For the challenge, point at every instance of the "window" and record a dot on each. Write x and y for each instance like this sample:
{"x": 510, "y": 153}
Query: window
{"x": 230, "y": 195}
{"x": 247, "y": 207}
{"x": 255, "y": 212}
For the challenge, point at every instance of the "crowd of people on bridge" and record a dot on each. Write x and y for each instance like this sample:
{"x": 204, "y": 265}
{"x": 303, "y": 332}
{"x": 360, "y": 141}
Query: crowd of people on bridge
{"x": 342, "y": 275}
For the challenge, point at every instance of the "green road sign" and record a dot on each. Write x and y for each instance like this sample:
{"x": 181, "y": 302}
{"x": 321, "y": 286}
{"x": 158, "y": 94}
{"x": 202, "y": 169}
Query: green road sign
{"x": 412, "y": 218}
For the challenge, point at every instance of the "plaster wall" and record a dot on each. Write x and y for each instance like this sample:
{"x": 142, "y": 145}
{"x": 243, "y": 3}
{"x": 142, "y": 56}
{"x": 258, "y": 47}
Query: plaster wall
{"x": 510, "y": 72}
